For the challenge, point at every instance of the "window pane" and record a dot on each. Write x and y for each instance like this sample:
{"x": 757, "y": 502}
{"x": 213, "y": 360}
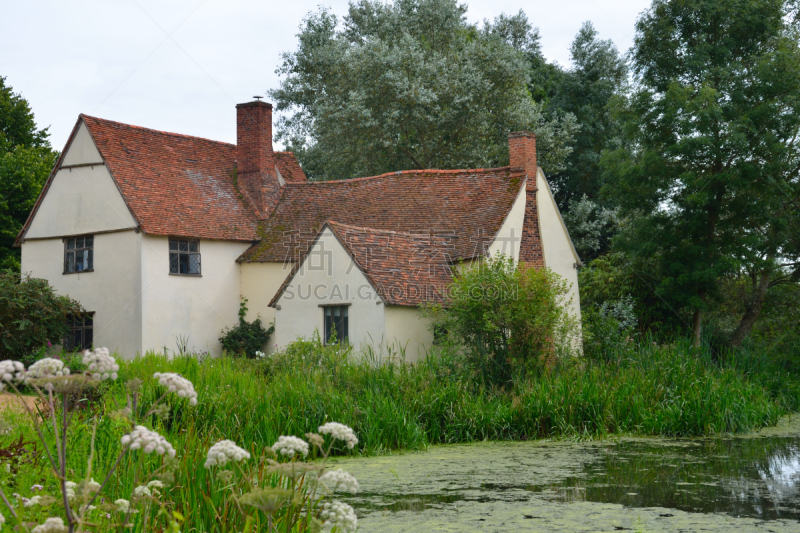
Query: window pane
{"x": 194, "y": 264}
{"x": 77, "y": 338}
{"x": 173, "y": 263}
{"x": 87, "y": 339}
{"x": 192, "y": 246}
{"x": 79, "y": 258}
{"x": 88, "y": 320}
{"x": 184, "y": 246}
{"x": 173, "y": 245}
{"x": 88, "y": 241}
{"x": 184, "y": 263}
{"x": 79, "y": 242}
{"x": 89, "y": 259}
{"x": 70, "y": 244}
{"x": 345, "y": 325}
{"x": 70, "y": 265}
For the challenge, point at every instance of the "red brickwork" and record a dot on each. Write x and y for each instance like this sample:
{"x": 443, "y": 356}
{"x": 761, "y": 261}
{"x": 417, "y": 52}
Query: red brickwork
{"x": 256, "y": 162}
{"x": 522, "y": 155}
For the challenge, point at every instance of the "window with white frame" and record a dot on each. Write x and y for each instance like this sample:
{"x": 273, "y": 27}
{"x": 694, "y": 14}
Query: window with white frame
{"x": 79, "y": 254}
{"x": 184, "y": 257}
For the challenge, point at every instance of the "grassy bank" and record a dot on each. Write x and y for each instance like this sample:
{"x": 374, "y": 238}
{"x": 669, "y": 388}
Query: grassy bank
{"x": 653, "y": 390}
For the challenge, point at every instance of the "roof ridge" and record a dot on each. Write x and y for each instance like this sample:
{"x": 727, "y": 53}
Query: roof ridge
{"x": 406, "y": 172}
{"x": 169, "y": 133}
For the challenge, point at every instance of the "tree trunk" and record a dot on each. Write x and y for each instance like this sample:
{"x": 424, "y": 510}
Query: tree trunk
{"x": 753, "y": 310}
{"x": 697, "y": 328}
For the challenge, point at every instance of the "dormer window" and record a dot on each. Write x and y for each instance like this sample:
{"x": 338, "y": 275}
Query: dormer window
{"x": 79, "y": 254}
{"x": 184, "y": 257}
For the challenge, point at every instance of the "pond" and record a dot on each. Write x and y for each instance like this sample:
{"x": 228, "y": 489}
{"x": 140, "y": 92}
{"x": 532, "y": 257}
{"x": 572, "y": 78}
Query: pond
{"x": 748, "y": 483}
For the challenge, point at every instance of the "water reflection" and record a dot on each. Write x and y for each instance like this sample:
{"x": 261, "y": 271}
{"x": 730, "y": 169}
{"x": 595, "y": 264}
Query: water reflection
{"x": 757, "y": 477}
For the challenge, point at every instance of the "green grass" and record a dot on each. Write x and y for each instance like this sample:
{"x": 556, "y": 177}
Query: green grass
{"x": 653, "y": 390}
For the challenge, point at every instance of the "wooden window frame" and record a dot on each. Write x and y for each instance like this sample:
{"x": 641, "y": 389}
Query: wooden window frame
{"x": 344, "y": 316}
{"x": 87, "y": 324}
{"x": 88, "y": 257}
{"x": 176, "y": 252}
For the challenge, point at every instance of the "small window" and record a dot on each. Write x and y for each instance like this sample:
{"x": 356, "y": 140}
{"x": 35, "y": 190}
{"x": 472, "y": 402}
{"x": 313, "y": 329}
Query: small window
{"x": 81, "y": 332}
{"x": 184, "y": 257}
{"x": 336, "y": 327}
{"x": 79, "y": 254}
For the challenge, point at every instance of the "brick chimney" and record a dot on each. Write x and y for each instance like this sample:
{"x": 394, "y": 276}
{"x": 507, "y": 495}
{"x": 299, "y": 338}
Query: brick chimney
{"x": 522, "y": 156}
{"x": 256, "y": 166}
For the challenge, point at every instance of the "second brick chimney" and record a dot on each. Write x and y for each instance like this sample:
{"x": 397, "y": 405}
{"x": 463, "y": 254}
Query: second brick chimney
{"x": 256, "y": 168}
{"x": 522, "y": 158}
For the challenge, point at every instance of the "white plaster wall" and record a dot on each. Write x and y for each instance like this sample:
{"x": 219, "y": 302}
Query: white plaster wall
{"x": 509, "y": 237}
{"x": 328, "y": 277}
{"x": 111, "y": 291}
{"x": 195, "y": 306}
{"x": 406, "y": 327}
{"x": 559, "y": 254}
{"x": 80, "y": 200}
{"x": 260, "y": 283}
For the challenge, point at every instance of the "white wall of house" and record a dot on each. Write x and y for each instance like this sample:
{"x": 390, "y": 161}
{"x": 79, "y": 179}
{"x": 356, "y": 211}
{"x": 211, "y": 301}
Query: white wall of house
{"x": 198, "y": 307}
{"x": 111, "y": 291}
{"x": 260, "y": 283}
{"x": 327, "y": 277}
{"x": 509, "y": 237}
{"x": 559, "y": 254}
{"x": 409, "y": 329}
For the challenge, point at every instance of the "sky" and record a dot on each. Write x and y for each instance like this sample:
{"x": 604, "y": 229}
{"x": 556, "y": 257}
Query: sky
{"x": 182, "y": 65}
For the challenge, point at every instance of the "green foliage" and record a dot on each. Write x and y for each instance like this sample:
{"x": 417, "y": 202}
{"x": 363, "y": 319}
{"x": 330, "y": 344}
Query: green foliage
{"x": 509, "y": 318}
{"x": 711, "y": 183}
{"x": 590, "y": 227}
{"x": 608, "y": 330}
{"x": 26, "y": 159}
{"x": 587, "y": 91}
{"x": 411, "y": 85}
{"x": 246, "y": 338}
{"x": 31, "y": 315}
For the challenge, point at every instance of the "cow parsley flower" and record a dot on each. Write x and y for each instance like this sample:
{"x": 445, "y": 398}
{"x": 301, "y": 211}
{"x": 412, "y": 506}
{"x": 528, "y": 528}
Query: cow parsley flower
{"x": 260, "y": 355}
{"x": 46, "y": 368}
{"x": 177, "y": 384}
{"x": 290, "y": 446}
{"x": 340, "y": 432}
{"x": 141, "y": 491}
{"x": 51, "y": 525}
{"x": 338, "y": 514}
{"x": 10, "y": 371}
{"x": 338, "y": 479}
{"x": 155, "y": 484}
{"x": 123, "y": 506}
{"x": 100, "y": 365}
{"x": 34, "y": 500}
{"x": 148, "y": 441}
{"x": 223, "y": 452}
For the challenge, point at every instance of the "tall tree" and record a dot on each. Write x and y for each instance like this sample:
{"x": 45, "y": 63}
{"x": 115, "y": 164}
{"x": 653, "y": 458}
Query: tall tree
{"x": 26, "y": 159}
{"x": 598, "y": 74}
{"x": 713, "y": 175}
{"x": 410, "y": 84}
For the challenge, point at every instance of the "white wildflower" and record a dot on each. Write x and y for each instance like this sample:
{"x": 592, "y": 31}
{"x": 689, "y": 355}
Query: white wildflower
{"x": 71, "y": 485}
{"x": 93, "y": 486}
{"x": 46, "y": 368}
{"x": 340, "y": 515}
{"x": 33, "y": 501}
{"x": 223, "y": 452}
{"x": 124, "y": 506}
{"x": 338, "y": 479}
{"x": 8, "y": 468}
{"x": 260, "y": 355}
{"x": 148, "y": 441}
{"x": 155, "y": 484}
{"x": 2, "y": 519}
{"x": 141, "y": 491}
{"x": 290, "y": 446}
{"x": 340, "y": 432}
{"x": 51, "y": 525}
{"x": 87, "y": 509}
{"x": 177, "y": 384}
{"x": 100, "y": 365}
{"x": 10, "y": 371}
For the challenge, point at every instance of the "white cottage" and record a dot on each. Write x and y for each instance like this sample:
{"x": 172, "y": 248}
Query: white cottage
{"x": 160, "y": 236}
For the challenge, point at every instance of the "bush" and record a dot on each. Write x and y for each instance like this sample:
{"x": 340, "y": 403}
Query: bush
{"x": 609, "y": 329}
{"x": 509, "y": 318}
{"x": 31, "y": 315}
{"x": 246, "y": 338}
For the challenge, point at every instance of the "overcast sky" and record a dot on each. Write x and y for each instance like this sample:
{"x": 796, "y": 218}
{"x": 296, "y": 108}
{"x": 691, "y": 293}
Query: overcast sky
{"x": 182, "y": 65}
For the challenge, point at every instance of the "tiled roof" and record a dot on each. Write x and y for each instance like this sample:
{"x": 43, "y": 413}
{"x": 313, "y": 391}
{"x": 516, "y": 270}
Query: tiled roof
{"x": 404, "y": 268}
{"x": 180, "y": 185}
{"x": 466, "y": 207}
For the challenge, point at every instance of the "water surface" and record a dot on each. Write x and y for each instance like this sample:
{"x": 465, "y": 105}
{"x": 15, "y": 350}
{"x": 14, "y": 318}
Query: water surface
{"x": 749, "y": 483}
